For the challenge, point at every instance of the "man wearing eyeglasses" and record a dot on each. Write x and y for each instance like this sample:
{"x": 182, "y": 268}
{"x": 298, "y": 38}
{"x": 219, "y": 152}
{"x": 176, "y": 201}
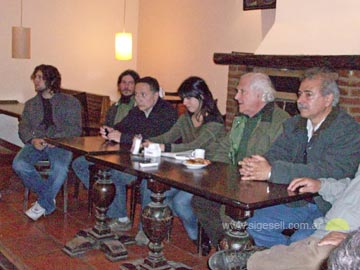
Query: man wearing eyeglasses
{"x": 323, "y": 141}
{"x": 152, "y": 116}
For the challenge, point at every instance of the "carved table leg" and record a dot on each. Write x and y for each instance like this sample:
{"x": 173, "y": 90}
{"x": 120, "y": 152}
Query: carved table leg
{"x": 236, "y": 236}
{"x": 237, "y": 245}
{"x": 100, "y": 236}
{"x": 157, "y": 221}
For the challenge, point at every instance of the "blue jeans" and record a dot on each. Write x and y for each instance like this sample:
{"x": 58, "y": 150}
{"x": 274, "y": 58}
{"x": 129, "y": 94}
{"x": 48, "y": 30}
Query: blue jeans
{"x": 117, "y": 209}
{"x": 180, "y": 203}
{"x": 267, "y": 224}
{"x": 80, "y": 167}
{"x": 46, "y": 190}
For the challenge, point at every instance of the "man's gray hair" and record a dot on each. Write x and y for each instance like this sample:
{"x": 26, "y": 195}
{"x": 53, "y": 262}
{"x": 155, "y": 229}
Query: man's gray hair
{"x": 328, "y": 78}
{"x": 347, "y": 255}
{"x": 261, "y": 82}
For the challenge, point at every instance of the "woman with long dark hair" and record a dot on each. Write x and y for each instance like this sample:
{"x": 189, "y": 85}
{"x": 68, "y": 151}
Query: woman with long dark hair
{"x": 198, "y": 127}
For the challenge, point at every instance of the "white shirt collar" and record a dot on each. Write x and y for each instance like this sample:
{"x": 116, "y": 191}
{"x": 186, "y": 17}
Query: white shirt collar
{"x": 311, "y": 129}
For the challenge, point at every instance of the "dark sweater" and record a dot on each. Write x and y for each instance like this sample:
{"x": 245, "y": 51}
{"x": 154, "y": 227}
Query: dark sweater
{"x": 162, "y": 117}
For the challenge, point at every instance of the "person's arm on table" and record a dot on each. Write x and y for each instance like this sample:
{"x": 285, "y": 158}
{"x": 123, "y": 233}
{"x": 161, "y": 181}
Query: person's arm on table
{"x": 333, "y": 238}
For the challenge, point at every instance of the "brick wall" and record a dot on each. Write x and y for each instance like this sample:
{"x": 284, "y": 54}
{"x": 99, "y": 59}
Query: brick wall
{"x": 348, "y": 80}
{"x": 349, "y": 84}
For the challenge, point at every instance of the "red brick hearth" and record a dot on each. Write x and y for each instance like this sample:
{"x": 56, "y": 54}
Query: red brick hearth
{"x": 286, "y": 71}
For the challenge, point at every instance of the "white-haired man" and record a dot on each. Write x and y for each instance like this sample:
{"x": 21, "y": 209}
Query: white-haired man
{"x": 258, "y": 124}
{"x": 322, "y": 141}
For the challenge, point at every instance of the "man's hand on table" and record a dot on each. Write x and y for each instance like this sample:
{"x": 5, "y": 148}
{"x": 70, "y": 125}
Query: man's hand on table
{"x": 110, "y": 134}
{"x": 303, "y": 185}
{"x": 255, "y": 168}
{"x": 333, "y": 238}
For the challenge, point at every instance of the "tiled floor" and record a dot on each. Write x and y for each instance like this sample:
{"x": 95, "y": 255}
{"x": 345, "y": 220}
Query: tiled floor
{"x": 38, "y": 245}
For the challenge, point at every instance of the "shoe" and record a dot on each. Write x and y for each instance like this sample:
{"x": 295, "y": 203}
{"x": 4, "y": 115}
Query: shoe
{"x": 205, "y": 245}
{"x": 116, "y": 225}
{"x": 35, "y": 211}
{"x": 141, "y": 239}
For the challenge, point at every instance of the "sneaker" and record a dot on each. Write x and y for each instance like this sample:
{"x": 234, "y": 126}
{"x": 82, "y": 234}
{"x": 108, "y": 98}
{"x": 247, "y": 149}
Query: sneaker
{"x": 116, "y": 225}
{"x": 141, "y": 239}
{"x": 35, "y": 211}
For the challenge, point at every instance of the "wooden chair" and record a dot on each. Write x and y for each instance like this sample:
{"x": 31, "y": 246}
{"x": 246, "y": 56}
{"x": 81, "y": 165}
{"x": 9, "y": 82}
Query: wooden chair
{"x": 43, "y": 168}
{"x": 82, "y": 97}
{"x": 135, "y": 197}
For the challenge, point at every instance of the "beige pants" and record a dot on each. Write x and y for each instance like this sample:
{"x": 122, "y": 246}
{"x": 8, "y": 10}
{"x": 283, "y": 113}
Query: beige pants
{"x": 301, "y": 255}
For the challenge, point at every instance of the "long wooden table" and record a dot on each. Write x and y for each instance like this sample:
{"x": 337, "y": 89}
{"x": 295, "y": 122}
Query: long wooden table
{"x": 88, "y": 145}
{"x": 11, "y": 108}
{"x": 218, "y": 181}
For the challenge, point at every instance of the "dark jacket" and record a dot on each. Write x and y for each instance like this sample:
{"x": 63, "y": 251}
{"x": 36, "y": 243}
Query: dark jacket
{"x": 66, "y": 112}
{"x": 162, "y": 117}
{"x": 333, "y": 151}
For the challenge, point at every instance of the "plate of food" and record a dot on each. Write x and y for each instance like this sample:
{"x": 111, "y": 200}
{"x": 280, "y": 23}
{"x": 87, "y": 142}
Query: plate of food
{"x": 196, "y": 163}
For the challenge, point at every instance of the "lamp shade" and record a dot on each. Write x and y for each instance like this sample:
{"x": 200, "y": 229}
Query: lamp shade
{"x": 21, "y": 42}
{"x": 123, "y": 46}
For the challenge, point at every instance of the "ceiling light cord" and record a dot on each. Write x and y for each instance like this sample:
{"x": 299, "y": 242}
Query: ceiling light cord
{"x": 124, "y": 15}
{"x": 21, "y": 13}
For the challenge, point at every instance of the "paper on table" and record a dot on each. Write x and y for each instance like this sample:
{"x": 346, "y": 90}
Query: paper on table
{"x": 150, "y": 164}
{"x": 178, "y": 155}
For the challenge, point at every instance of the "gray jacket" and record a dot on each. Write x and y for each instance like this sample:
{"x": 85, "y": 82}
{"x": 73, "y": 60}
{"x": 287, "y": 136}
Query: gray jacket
{"x": 66, "y": 112}
{"x": 344, "y": 214}
{"x": 333, "y": 151}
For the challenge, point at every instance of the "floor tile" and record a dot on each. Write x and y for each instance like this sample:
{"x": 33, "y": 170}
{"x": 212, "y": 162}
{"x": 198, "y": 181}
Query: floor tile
{"x": 38, "y": 245}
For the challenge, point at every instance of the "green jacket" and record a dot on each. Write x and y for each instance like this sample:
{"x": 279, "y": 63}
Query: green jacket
{"x": 118, "y": 111}
{"x": 191, "y": 137}
{"x": 266, "y": 131}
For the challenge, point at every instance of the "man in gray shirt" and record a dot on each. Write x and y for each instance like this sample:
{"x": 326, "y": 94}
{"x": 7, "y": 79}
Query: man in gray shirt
{"x": 331, "y": 230}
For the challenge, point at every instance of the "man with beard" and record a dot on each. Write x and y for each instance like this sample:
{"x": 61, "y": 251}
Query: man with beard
{"x": 116, "y": 113}
{"x": 50, "y": 114}
{"x": 126, "y": 86}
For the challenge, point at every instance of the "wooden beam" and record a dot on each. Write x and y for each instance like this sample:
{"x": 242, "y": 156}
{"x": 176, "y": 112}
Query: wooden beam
{"x": 351, "y": 62}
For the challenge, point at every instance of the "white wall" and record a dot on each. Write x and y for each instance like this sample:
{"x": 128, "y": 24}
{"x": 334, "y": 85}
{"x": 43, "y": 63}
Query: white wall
{"x": 314, "y": 27}
{"x": 177, "y": 39}
{"x": 76, "y": 36}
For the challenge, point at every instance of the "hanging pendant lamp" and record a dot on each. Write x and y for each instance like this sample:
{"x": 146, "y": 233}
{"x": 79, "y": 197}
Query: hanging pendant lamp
{"x": 21, "y": 39}
{"x": 123, "y": 42}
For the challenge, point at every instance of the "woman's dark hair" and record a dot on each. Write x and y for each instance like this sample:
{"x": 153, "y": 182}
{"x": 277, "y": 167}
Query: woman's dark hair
{"x": 197, "y": 88}
{"x": 51, "y": 76}
{"x": 152, "y": 82}
{"x": 130, "y": 72}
